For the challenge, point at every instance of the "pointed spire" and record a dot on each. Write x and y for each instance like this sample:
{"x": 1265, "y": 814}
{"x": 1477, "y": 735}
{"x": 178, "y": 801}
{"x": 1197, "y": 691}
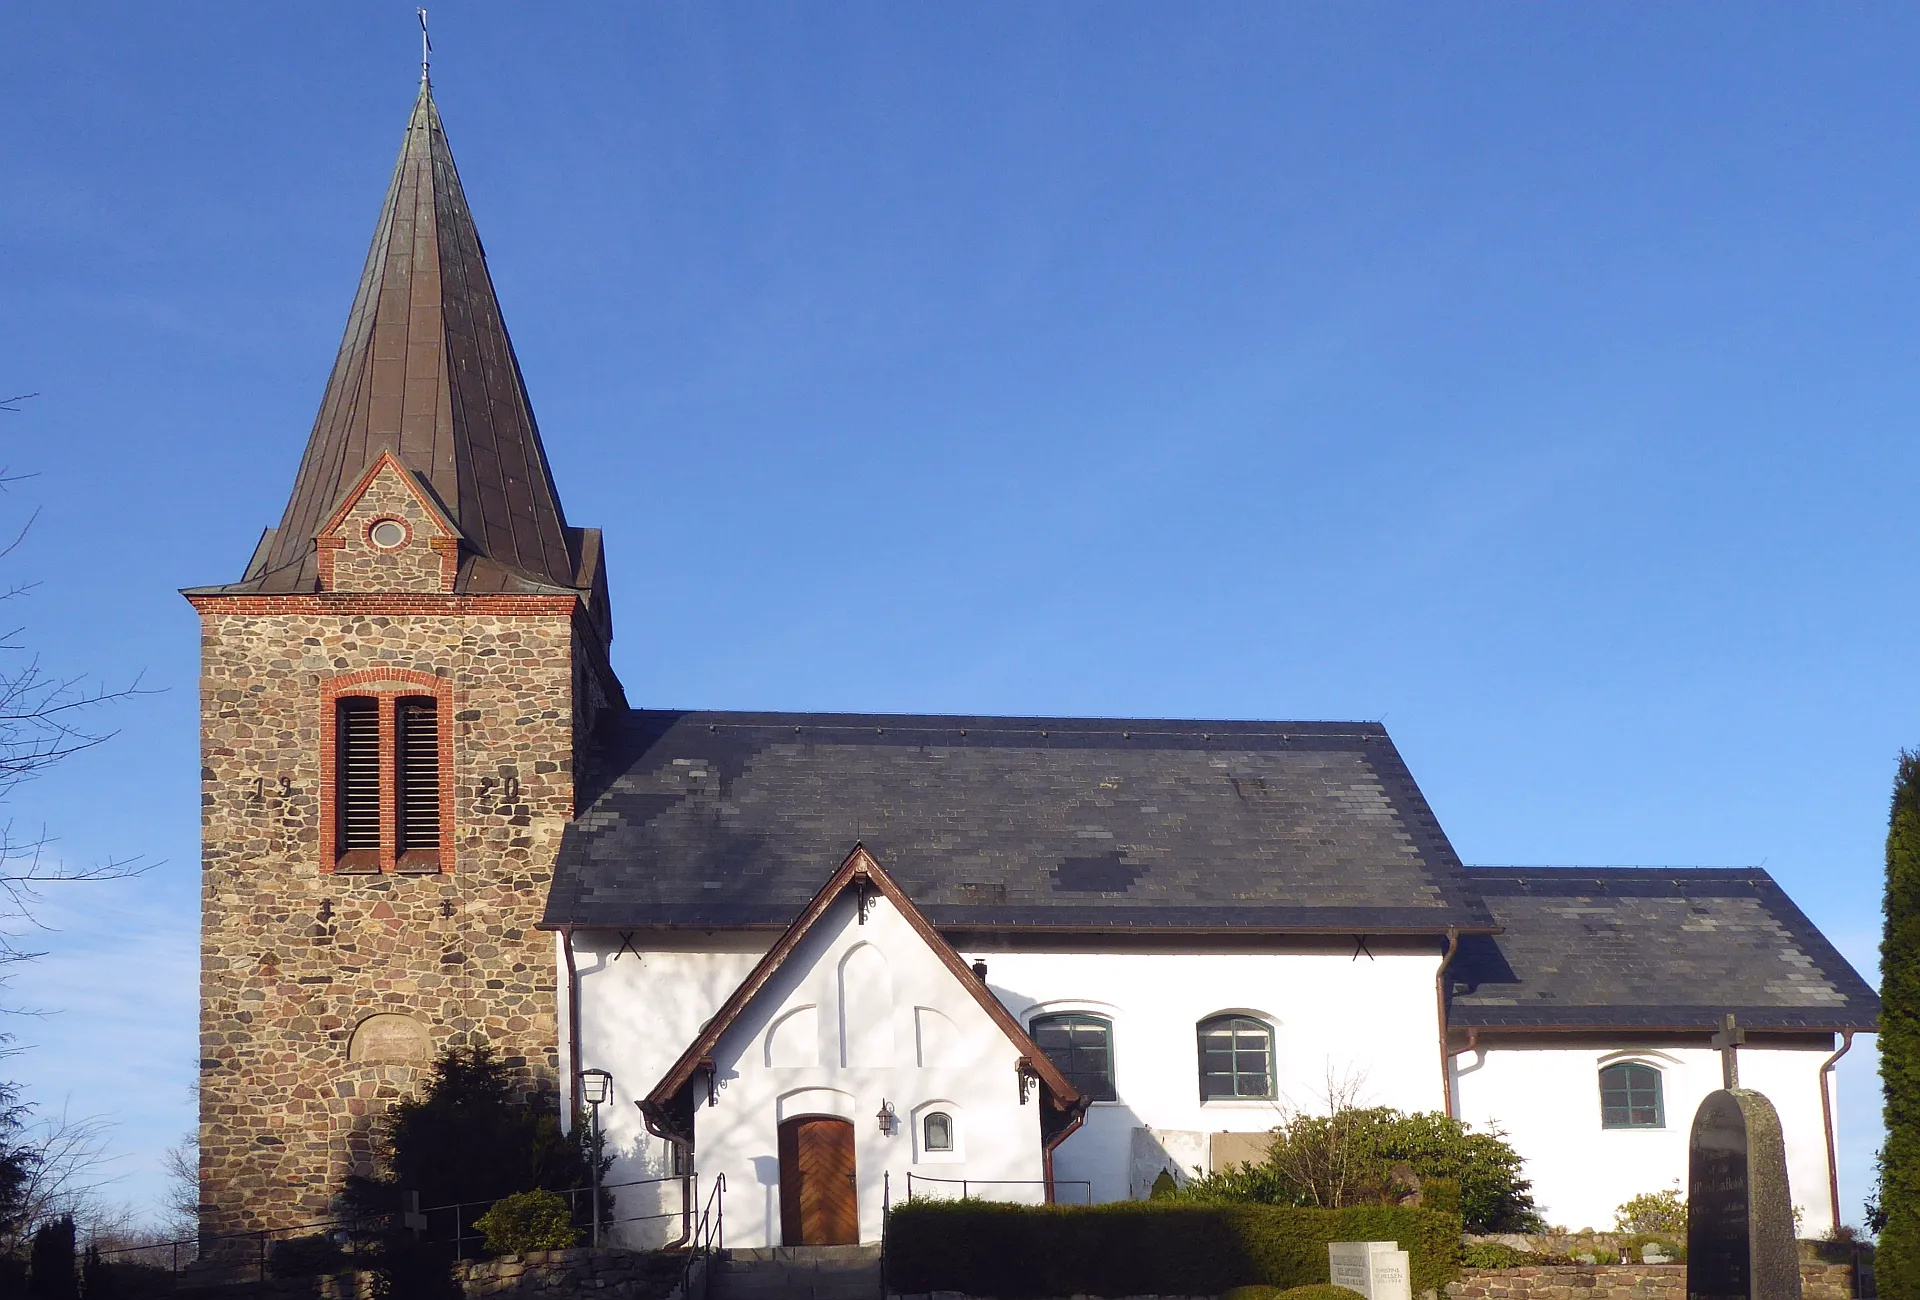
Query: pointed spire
{"x": 426, "y": 371}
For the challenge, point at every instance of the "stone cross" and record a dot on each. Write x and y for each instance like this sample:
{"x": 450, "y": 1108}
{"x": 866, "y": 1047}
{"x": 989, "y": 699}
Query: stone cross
{"x": 1727, "y": 1043}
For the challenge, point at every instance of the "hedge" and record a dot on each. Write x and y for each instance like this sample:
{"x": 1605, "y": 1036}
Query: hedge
{"x": 1130, "y": 1248}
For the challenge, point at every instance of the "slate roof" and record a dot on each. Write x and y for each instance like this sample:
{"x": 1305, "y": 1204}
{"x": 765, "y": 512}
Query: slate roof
{"x": 735, "y": 819}
{"x": 1653, "y": 949}
{"x": 427, "y": 371}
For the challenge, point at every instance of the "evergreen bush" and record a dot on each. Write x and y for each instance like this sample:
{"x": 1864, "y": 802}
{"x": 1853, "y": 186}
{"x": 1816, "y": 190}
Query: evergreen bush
{"x": 51, "y": 1274}
{"x": 1897, "y": 1265}
{"x": 528, "y": 1221}
{"x": 1165, "y": 1247}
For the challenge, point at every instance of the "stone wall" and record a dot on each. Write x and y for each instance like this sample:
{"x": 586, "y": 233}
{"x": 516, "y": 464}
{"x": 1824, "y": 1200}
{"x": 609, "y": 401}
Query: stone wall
{"x": 295, "y": 955}
{"x": 1818, "y": 1281}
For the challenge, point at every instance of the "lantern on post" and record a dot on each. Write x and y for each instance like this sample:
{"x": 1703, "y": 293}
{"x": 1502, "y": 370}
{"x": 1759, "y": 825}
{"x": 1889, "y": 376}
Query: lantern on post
{"x": 596, "y": 1087}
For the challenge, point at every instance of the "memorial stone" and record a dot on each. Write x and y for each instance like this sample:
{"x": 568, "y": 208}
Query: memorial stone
{"x": 1740, "y": 1243}
{"x": 1378, "y": 1270}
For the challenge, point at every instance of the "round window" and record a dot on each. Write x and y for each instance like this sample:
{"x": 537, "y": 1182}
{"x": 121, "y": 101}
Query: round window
{"x": 388, "y": 534}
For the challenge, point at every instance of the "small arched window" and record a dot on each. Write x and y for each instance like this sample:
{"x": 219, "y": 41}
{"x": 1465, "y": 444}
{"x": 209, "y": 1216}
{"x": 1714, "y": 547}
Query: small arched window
{"x": 1082, "y": 1047}
{"x": 936, "y": 1131}
{"x": 1630, "y": 1096}
{"x": 1236, "y": 1058}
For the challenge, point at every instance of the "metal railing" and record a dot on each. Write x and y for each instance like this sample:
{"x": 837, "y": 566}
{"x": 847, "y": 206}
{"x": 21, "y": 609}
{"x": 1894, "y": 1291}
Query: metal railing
{"x": 967, "y": 1184}
{"x": 248, "y": 1256}
{"x": 579, "y": 1208}
{"x": 706, "y": 1236}
{"x": 243, "y": 1252}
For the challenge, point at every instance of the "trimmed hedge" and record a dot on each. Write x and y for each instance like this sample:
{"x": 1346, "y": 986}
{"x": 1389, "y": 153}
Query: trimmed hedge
{"x": 1129, "y": 1248}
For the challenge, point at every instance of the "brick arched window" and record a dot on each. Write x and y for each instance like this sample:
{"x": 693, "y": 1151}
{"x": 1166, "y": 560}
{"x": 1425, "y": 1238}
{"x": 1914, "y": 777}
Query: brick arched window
{"x": 386, "y": 773}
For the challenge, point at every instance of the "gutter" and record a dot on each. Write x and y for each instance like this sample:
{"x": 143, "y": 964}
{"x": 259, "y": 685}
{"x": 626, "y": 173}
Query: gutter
{"x": 1826, "y": 1120}
{"x": 1440, "y": 1009}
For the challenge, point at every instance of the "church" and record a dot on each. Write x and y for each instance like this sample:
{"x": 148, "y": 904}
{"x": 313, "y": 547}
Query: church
{"x": 841, "y": 960}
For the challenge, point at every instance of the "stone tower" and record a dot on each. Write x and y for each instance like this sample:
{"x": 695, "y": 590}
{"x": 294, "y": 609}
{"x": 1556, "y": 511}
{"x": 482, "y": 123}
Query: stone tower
{"x": 393, "y": 700}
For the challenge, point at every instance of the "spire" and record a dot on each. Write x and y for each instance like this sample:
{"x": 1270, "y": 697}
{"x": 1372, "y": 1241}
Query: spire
{"x": 426, "y": 371}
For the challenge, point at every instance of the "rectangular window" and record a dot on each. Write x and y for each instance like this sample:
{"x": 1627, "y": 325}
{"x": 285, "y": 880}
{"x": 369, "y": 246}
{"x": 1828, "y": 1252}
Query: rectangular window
{"x": 357, "y": 745}
{"x": 417, "y": 775}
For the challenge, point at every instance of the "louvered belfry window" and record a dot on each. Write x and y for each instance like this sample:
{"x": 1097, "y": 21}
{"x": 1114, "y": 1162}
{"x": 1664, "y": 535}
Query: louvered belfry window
{"x": 358, "y": 749}
{"x": 417, "y": 775}
{"x": 389, "y": 782}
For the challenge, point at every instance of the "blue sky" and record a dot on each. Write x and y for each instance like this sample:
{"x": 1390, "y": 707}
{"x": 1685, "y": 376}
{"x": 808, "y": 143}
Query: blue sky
{"x": 1538, "y": 379}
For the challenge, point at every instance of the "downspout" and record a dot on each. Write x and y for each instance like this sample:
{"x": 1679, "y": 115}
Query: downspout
{"x": 573, "y": 1026}
{"x": 1046, "y": 1148}
{"x": 1440, "y": 1009}
{"x": 1826, "y": 1119}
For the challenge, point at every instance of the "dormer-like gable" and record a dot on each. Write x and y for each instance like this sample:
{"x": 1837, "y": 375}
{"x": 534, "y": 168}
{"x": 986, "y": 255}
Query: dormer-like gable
{"x": 388, "y": 534}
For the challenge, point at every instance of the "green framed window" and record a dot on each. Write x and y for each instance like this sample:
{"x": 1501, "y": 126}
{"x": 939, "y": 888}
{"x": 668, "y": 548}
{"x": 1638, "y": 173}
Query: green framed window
{"x": 1236, "y": 1058}
{"x": 1630, "y": 1097}
{"x": 1081, "y": 1046}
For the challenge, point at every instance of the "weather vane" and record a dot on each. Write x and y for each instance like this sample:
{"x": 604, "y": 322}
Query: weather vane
{"x": 426, "y": 45}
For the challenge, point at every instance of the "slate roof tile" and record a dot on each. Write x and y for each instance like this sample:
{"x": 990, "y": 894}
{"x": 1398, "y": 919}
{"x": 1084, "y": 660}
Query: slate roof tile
{"x": 1013, "y": 823}
{"x": 1618, "y": 947}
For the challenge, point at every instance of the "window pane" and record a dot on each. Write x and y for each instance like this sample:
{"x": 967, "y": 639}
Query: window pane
{"x": 1630, "y": 1097}
{"x": 1236, "y": 1058}
{"x": 939, "y": 1132}
{"x": 1081, "y": 1046}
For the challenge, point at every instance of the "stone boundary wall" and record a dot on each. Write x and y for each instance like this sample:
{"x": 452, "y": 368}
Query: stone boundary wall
{"x": 1621, "y": 1282}
{"x": 1818, "y": 1281}
{"x": 605, "y": 1274}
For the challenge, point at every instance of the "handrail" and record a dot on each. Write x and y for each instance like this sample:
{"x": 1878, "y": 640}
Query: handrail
{"x": 708, "y": 1235}
{"x": 964, "y": 1184}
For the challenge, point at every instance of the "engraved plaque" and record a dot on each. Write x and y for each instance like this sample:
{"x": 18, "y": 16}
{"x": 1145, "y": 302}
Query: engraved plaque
{"x": 389, "y": 1037}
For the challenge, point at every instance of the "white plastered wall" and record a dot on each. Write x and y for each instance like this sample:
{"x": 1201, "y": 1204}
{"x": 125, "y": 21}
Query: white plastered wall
{"x": 859, "y": 1014}
{"x": 1547, "y": 1100}
{"x": 1346, "y": 1018}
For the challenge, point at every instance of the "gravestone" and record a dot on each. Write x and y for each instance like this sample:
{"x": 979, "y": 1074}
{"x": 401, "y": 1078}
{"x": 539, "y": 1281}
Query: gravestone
{"x": 1378, "y": 1270}
{"x": 1740, "y": 1243}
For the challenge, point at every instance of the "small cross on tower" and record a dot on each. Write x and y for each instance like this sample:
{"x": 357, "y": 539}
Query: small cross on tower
{"x": 1727, "y": 1042}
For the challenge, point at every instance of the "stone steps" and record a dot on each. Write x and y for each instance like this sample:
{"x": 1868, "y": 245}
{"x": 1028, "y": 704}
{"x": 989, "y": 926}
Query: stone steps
{"x": 797, "y": 1273}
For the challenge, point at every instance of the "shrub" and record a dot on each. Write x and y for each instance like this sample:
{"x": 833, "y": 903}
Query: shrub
{"x": 528, "y": 1221}
{"x": 1317, "y": 1291}
{"x": 1492, "y": 1254}
{"x": 1168, "y": 1247}
{"x": 305, "y": 1256}
{"x": 1347, "y": 1158}
{"x": 1656, "y": 1214}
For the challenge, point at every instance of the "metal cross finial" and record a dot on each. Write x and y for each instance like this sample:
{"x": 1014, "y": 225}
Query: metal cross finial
{"x": 1727, "y": 1043}
{"x": 426, "y": 45}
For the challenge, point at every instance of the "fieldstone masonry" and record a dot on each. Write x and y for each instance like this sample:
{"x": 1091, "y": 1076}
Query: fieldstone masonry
{"x": 295, "y": 956}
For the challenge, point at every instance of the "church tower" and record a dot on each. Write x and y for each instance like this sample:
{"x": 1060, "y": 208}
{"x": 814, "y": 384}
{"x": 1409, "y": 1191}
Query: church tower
{"x": 394, "y": 700}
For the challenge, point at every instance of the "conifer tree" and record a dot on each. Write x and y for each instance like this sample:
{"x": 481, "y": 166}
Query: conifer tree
{"x": 1897, "y": 1265}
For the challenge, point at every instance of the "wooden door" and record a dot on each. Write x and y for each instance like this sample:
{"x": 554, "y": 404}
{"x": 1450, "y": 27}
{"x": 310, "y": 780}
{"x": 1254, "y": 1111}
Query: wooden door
{"x": 819, "y": 1201}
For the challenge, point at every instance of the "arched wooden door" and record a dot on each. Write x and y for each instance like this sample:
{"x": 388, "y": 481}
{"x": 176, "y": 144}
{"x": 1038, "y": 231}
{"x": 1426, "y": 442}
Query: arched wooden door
{"x": 819, "y": 1199}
